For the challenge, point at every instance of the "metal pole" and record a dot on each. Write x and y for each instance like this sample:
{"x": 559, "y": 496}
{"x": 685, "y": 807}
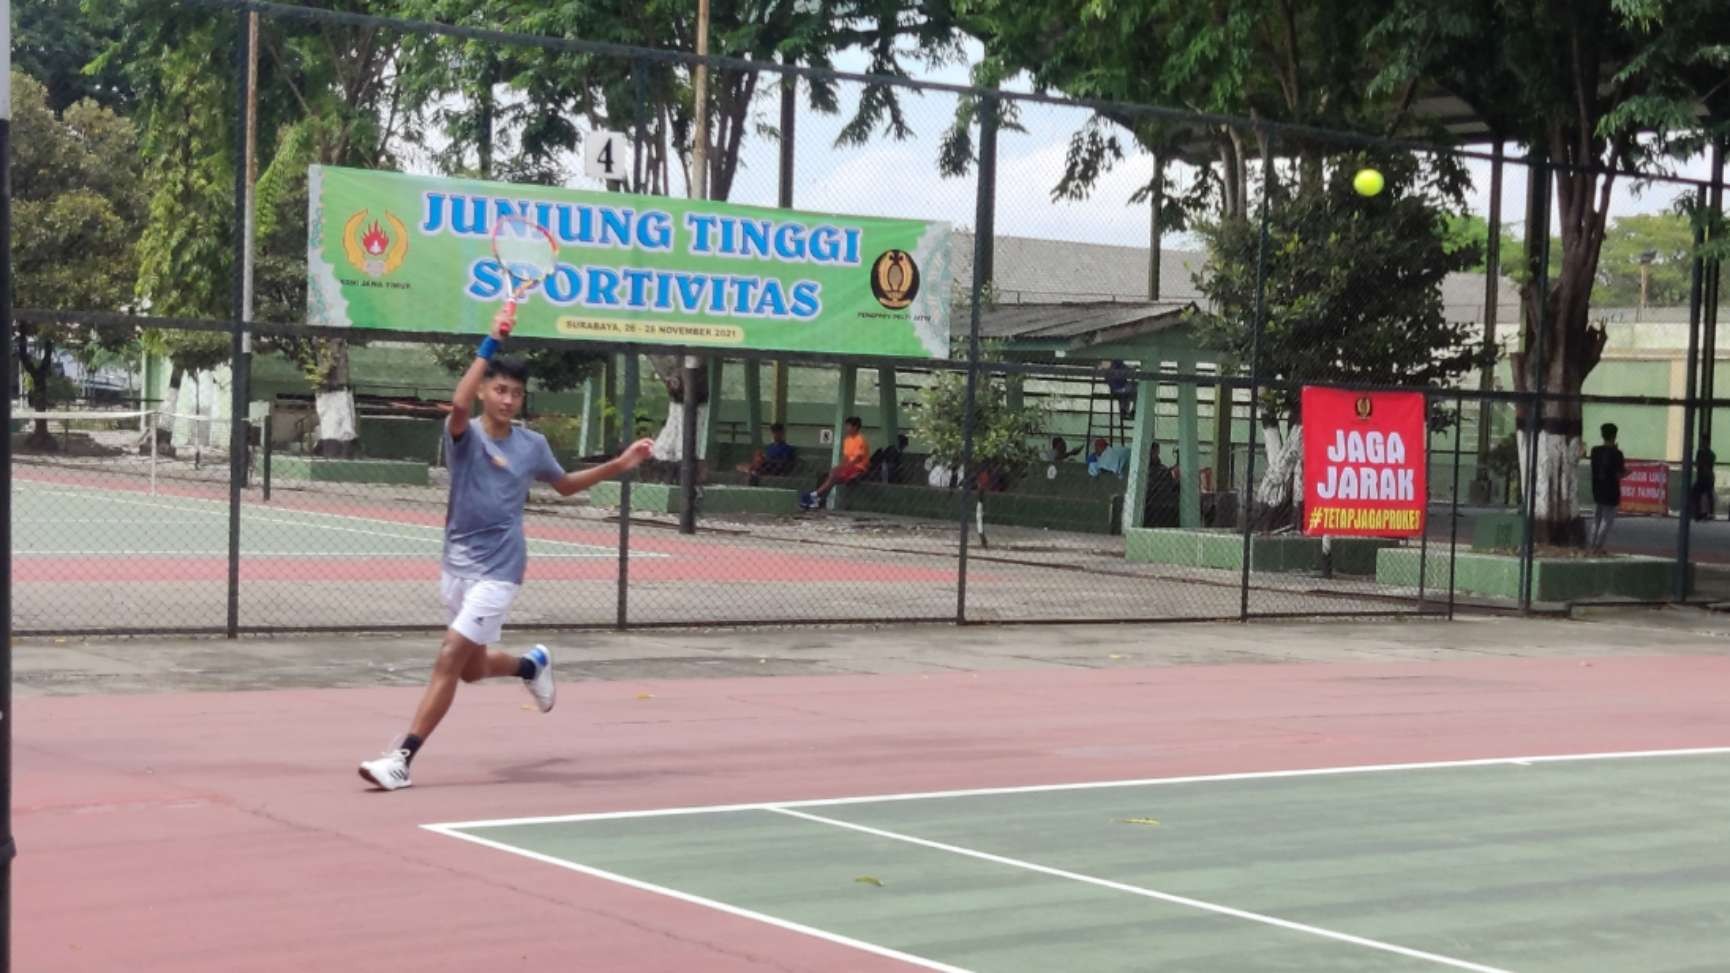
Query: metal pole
{"x": 688, "y": 444}
{"x": 237, "y": 335}
{"x": 1155, "y": 231}
{"x": 1454, "y": 503}
{"x": 789, "y": 122}
{"x": 700, "y": 105}
{"x": 1538, "y": 211}
{"x": 8, "y": 849}
{"x": 1492, "y": 298}
{"x": 1424, "y": 538}
{"x": 1246, "y": 507}
{"x": 1696, "y": 288}
{"x": 627, "y": 435}
{"x": 1709, "y": 298}
{"x": 984, "y": 205}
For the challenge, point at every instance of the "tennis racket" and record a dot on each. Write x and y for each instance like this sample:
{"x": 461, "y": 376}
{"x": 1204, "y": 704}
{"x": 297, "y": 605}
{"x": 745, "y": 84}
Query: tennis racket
{"x": 526, "y": 253}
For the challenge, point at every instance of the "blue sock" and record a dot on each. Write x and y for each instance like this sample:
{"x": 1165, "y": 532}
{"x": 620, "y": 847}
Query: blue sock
{"x": 526, "y": 668}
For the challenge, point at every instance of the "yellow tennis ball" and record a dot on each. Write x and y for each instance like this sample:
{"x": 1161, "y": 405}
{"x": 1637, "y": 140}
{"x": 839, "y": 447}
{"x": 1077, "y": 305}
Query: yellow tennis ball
{"x": 1367, "y": 182}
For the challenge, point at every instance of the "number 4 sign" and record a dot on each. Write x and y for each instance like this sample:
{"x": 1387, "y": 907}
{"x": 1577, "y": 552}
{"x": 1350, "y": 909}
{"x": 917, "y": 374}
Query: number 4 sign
{"x": 606, "y": 155}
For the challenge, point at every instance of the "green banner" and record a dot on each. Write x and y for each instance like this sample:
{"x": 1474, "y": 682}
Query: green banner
{"x": 414, "y": 253}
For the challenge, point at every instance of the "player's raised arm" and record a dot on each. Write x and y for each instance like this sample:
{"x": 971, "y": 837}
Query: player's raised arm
{"x": 577, "y": 481}
{"x": 463, "y": 399}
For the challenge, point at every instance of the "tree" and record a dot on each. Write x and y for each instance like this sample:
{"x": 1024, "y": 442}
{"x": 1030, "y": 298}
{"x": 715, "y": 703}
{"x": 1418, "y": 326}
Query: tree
{"x": 1003, "y": 435}
{"x": 55, "y": 40}
{"x": 77, "y": 207}
{"x": 324, "y": 96}
{"x": 1596, "y": 87}
{"x": 1662, "y": 244}
{"x": 1352, "y": 295}
{"x": 184, "y": 255}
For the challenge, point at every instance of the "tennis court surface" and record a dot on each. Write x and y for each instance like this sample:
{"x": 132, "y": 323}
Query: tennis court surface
{"x": 1483, "y": 795}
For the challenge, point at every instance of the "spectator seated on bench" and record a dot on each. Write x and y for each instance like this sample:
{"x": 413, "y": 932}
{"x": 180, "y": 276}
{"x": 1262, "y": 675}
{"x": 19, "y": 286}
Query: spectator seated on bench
{"x": 855, "y": 461}
{"x": 885, "y": 465}
{"x": 776, "y": 459}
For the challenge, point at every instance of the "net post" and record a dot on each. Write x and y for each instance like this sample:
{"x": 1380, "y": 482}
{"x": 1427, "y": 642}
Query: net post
{"x": 984, "y": 206}
{"x": 628, "y": 432}
{"x": 1246, "y": 506}
{"x": 265, "y": 444}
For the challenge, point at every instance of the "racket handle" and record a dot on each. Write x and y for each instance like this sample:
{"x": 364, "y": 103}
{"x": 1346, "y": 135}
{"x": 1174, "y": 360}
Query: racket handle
{"x": 510, "y": 317}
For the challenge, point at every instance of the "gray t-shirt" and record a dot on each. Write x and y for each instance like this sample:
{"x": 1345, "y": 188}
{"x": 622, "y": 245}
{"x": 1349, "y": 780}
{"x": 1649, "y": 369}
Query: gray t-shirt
{"x": 489, "y": 485}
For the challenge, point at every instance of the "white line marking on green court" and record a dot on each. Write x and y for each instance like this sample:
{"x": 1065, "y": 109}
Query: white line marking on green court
{"x": 1093, "y": 785}
{"x": 859, "y": 944}
{"x": 1182, "y": 900}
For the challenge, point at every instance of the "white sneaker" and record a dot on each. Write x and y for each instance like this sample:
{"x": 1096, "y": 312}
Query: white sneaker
{"x": 540, "y": 686}
{"x": 389, "y": 772}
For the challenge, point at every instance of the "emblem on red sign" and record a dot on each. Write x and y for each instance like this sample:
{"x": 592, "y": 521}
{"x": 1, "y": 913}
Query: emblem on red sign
{"x": 1366, "y": 463}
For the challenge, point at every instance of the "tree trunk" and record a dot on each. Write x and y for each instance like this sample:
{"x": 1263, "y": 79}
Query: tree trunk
{"x": 1572, "y": 347}
{"x": 39, "y": 370}
{"x": 338, "y": 434}
{"x": 1278, "y": 493}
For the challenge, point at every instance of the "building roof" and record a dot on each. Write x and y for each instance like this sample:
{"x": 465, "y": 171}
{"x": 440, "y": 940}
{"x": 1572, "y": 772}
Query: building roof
{"x": 1079, "y": 324}
{"x": 1029, "y": 270}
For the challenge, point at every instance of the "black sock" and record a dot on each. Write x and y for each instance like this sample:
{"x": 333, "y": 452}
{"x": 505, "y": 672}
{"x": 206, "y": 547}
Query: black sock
{"x": 526, "y": 668}
{"x": 411, "y": 743}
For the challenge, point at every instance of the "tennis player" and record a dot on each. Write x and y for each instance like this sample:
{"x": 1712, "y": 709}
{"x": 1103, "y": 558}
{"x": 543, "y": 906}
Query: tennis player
{"x": 491, "y": 464}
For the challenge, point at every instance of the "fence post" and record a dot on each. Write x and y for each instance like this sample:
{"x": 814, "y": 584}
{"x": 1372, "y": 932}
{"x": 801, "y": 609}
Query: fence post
{"x": 236, "y": 347}
{"x": 1691, "y": 398}
{"x": 1454, "y": 504}
{"x": 1538, "y": 215}
{"x": 1246, "y": 505}
{"x": 628, "y": 432}
{"x": 984, "y": 209}
{"x": 7, "y": 371}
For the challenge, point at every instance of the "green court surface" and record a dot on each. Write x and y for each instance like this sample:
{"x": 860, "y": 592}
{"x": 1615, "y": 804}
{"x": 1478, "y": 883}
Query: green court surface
{"x": 1595, "y": 862}
{"x": 53, "y": 520}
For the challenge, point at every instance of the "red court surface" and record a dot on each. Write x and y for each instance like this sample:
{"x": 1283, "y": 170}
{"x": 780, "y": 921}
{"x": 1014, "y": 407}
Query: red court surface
{"x": 207, "y": 832}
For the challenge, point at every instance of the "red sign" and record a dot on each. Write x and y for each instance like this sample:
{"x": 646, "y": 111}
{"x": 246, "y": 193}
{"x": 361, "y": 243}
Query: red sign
{"x": 1646, "y": 488}
{"x": 1366, "y": 463}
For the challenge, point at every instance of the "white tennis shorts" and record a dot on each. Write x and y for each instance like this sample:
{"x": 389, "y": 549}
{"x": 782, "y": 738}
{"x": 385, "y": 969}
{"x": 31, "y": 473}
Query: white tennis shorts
{"x": 476, "y": 609}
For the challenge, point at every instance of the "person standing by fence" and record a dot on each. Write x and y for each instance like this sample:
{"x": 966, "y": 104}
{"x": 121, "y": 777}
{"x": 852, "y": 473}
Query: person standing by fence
{"x": 1608, "y": 469}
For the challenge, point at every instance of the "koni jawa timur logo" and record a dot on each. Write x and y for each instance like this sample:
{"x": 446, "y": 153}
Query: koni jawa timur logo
{"x": 373, "y": 250}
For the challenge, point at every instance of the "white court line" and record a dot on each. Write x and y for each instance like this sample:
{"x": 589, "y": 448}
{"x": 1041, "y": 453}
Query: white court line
{"x": 313, "y": 525}
{"x": 1183, "y": 900}
{"x": 812, "y": 931}
{"x": 1090, "y": 785}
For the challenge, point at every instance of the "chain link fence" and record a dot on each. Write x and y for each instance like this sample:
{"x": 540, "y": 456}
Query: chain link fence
{"x": 1116, "y": 435}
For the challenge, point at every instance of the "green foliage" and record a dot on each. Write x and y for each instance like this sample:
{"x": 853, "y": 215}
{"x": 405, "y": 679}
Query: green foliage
{"x": 1004, "y": 437}
{"x": 1353, "y": 284}
{"x": 77, "y": 206}
{"x": 1669, "y": 241}
{"x": 54, "y": 41}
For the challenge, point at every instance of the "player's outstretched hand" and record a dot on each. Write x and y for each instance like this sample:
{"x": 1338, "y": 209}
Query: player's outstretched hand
{"x": 504, "y": 321}
{"x": 637, "y": 453}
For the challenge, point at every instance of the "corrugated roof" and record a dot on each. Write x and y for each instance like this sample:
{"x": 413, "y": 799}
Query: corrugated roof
{"x": 1090, "y": 322}
{"x": 1029, "y": 270}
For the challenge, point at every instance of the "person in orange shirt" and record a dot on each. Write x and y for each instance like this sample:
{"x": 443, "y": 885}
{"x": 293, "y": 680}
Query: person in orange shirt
{"x": 855, "y": 460}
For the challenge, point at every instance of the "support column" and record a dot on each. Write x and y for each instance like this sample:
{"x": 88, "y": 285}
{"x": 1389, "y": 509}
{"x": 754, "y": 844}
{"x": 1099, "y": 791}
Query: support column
{"x": 1492, "y": 286}
{"x": 611, "y": 424}
{"x": 1189, "y": 450}
{"x": 589, "y": 441}
{"x": 845, "y": 393}
{"x": 754, "y": 403}
{"x": 1140, "y": 448}
{"x": 888, "y": 406}
{"x": 778, "y": 413}
{"x": 712, "y": 431}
